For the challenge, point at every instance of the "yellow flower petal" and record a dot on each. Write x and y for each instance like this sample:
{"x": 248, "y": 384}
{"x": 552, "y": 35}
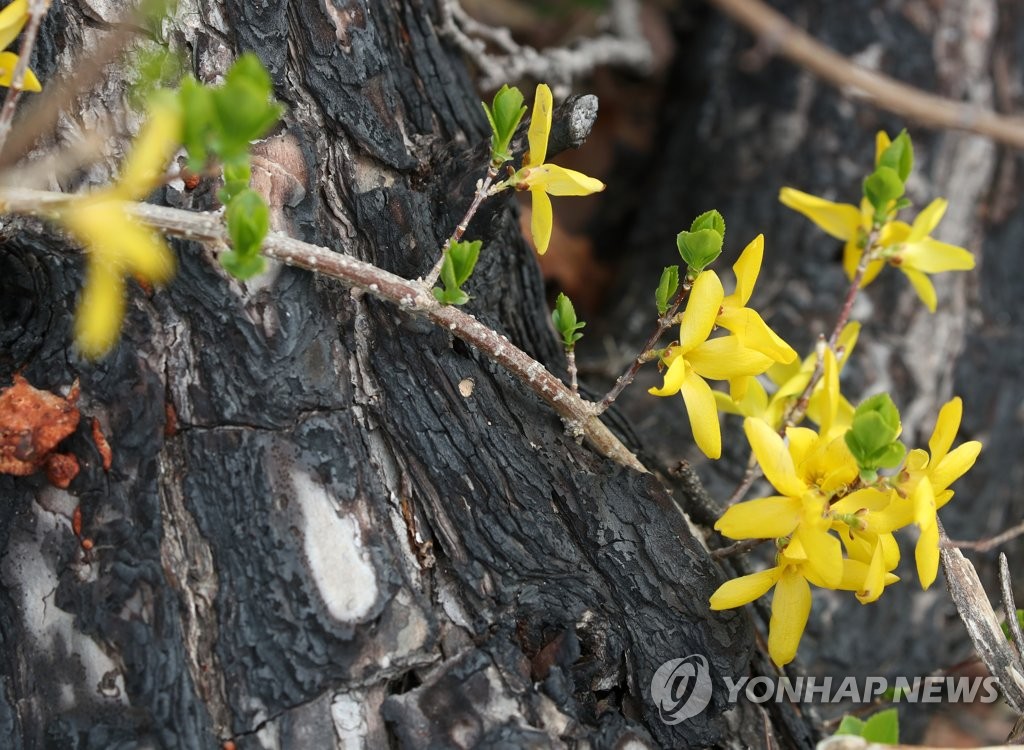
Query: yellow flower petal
{"x": 725, "y": 357}
{"x": 540, "y": 126}
{"x": 868, "y": 498}
{"x": 541, "y": 220}
{"x": 946, "y": 427}
{"x": 764, "y": 518}
{"x": 874, "y": 579}
{"x": 674, "y": 377}
{"x": 932, "y": 256}
{"x": 791, "y": 606}
{"x": 700, "y": 407}
{"x": 701, "y": 310}
{"x": 890, "y": 552}
{"x": 801, "y": 440}
{"x": 926, "y": 555}
{"x": 882, "y": 142}
{"x": 754, "y": 333}
{"x": 745, "y": 589}
{"x": 157, "y": 140}
{"x": 747, "y": 268}
{"x": 923, "y": 286}
{"x": 100, "y": 309}
{"x": 841, "y": 220}
{"x": 824, "y": 551}
{"x": 556, "y": 180}
{"x": 927, "y": 220}
{"x": 773, "y": 457}
{"x": 726, "y": 405}
{"x": 829, "y": 398}
{"x": 954, "y": 465}
{"x": 923, "y": 499}
{"x": 899, "y": 513}
{"x": 13, "y": 18}
{"x": 8, "y": 61}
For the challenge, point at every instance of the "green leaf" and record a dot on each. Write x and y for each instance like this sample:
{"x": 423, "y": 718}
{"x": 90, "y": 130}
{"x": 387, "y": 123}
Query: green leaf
{"x": 873, "y": 433}
{"x": 709, "y": 220}
{"x": 448, "y": 273}
{"x": 248, "y": 220}
{"x": 564, "y": 318}
{"x": 699, "y": 249}
{"x": 881, "y": 188}
{"x": 450, "y": 296}
{"x": 242, "y": 266}
{"x": 667, "y": 288}
{"x": 155, "y": 67}
{"x": 464, "y": 256}
{"x": 883, "y": 727}
{"x": 244, "y": 105}
{"x": 459, "y": 261}
{"x": 504, "y": 115}
{"x": 197, "y": 102}
{"x": 222, "y": 120}
{"x": 1020, "y": 622}
{"x": 899, "y": 156}
{"x": 850, "y": 725}
{"x": 237, "y": 174}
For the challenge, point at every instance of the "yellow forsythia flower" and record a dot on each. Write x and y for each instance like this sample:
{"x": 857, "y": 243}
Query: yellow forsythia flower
{"x": 696, "y": 357}
{"x": 12, "y": 20}
{"x": 115, "y": 243}
{"x": 908, "y": 247}
{"x": 791, "y": 602}
{"x": 547, "y": 179}
{"x": 922, "y": 487}
{"x": 748, "y": 326}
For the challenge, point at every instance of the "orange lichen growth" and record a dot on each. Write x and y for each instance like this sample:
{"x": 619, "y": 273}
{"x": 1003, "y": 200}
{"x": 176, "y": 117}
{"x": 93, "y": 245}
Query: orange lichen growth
{"x": 32, "y": 424}
{"x": 106, "y": 455}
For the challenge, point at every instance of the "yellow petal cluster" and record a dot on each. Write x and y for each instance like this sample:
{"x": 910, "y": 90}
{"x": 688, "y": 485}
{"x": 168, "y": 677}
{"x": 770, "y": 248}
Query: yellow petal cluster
{"x": 116, "y": 245}
{"x": 543, "y": 179}
{"x": 13, "y": 18}
{"x": 696, "y": 357}
{"x": 830, "y": 530}
{"x": 750, "y": 349}
{"x": 908, "y": 247}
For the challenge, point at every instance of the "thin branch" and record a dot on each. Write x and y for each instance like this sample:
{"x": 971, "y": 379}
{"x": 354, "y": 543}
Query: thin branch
{"x": 751, "y": 475}
{"x": 737, "y": 548}
{"x": 623, "y": 45}
{"x": 412, "y": 296}
{"x": 1009, "y": 606}
{"x": 795, "y": 414}
{"x": 664, "y": 323}
{"x": 570, "y": 357}
{"x": 482, "y": 191}
{"x": 36, "y": 10}
{"x": 880, "y": 90}
{"x": 988, "y": 543}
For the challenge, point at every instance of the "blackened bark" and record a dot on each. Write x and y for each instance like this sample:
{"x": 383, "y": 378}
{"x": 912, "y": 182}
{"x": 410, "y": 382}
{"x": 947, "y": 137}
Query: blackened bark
{"x": 314, "y": 532}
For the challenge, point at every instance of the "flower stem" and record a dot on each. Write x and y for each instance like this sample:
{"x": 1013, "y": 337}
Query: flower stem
{"x": 482, "y": 192}
{"x": 570, "y": 355}
{"x": 664, "y": 323}
{"x": 36, "y": 10}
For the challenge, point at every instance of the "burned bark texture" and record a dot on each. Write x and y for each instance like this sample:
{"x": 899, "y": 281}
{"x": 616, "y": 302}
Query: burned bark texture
{"x": 327, "y": 523}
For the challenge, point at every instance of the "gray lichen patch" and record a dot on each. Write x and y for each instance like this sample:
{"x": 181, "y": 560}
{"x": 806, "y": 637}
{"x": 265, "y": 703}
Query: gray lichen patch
{"x": 339, "y": 565}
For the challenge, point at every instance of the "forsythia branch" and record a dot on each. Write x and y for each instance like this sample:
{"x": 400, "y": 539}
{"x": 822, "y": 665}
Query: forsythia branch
{"x": 412, "y": 296}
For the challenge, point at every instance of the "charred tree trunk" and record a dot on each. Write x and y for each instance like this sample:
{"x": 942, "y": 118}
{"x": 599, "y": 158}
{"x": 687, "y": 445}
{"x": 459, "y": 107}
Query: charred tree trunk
{"x": 327, "y": 523}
